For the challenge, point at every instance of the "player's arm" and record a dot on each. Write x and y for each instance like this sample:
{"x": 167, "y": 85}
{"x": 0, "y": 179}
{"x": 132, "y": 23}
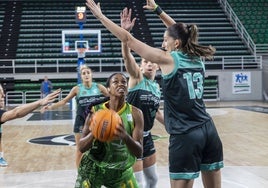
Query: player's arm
{"x": 86, "y": 140}
{"x": 135, "y": 75}
{"x": 134, "y": 142}
{"x": 131, "y": 66}
{"x": 160, "y": 117}
{"x": 62, "y": 102}
{"x": 147, "y": 52}
{"x": 166, "y": 19}
{"x": 129, "y": 60}
{"x": 103, "y": 90}
{"x": 25, "y": 109}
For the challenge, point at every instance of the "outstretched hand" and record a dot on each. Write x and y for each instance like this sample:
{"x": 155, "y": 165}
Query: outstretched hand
{"x": 94, "y": 8}
{"x": 44, "y": 108}
{"x": 50, "y": 98}
{"x": 126, "y": 22}
{"x": 150, "y": 5}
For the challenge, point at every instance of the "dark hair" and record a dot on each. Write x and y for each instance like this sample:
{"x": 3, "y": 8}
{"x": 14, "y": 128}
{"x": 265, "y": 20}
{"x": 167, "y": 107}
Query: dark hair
{"x": 111, "y": 76}
{"x": 188, "y": 34}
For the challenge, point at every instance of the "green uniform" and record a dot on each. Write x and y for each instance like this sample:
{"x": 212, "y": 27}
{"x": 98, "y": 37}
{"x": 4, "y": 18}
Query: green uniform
{"x": 109, "y": 163}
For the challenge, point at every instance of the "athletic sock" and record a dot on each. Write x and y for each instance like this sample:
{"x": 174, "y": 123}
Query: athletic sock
{"x": 150, "y": 176}
{"x": 139, "y": 178}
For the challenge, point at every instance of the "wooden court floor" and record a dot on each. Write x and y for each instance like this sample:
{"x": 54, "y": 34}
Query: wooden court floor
{"x": 40, "y": 152}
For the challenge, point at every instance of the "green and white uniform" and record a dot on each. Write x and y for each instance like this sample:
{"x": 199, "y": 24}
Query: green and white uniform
{"x": 109, "y": 163}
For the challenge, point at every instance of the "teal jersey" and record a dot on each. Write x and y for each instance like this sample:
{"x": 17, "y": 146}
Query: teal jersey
{"x": 146, "y": 96}
{"x": 114, "y": 154}
{"x": 86, "y": 96}
{"x": 183, "y": 90}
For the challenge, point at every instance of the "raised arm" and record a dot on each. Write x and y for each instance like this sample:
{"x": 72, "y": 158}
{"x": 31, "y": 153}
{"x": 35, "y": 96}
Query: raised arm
{"x": 103, "y": 90}
{"x": 166, "y": 19}
{"x": 25, "y": 109}
{"x": 132, "y": 67}
{"x": 147, "y": 52}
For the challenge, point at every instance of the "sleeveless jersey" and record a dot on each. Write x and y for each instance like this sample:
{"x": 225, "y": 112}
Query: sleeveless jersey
{"x": 146, "y": 96}
{"x": 114, "y": 154}
{"x": 183, "y": 89}
{"x": 86, "y": 96}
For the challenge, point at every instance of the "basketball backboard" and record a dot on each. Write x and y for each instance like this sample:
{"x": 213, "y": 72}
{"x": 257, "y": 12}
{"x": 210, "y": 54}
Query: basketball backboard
{"x": 89, "y": 39}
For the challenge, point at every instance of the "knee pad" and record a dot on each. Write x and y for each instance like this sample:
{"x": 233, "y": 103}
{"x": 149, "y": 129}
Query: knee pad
{"x": 151, "y": 176}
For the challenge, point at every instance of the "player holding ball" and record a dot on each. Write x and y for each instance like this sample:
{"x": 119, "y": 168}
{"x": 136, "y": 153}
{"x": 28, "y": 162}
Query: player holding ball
{"x": 109, "y": 163}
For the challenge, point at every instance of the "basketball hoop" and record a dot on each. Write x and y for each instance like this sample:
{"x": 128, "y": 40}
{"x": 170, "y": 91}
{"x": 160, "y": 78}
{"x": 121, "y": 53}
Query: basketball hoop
{"x": 81, "y": 52}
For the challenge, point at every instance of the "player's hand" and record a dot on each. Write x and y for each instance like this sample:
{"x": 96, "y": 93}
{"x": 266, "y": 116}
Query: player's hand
{"x": 150, "y": 5}
{"x": 50, "y": 98}
{"x": 94, "y": 8}
{"x": 120, "y": 132}
{"x": 126, "y": 22}
{"x": 44, "y": 108}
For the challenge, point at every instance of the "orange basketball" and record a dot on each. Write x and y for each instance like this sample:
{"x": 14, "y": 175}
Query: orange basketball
{"x": 103, "y": 124}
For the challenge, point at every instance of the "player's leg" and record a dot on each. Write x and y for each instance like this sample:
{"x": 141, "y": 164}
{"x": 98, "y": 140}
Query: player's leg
{"x": 120, "y": 179}
{"x": 181, "y": 183}
{"x": 211, "y": 179}
{"x": 78, "y": 154}
{"x": 150, "y": 173}
{"x": 138, "y": 172}
{"x": 89, "y": 175}
{"x": 212, "y": 160}
{"x": 3, "y": 162}
{"x": 78, "y": 127}
{"x": 185, "y": 154}
{"x": 149, "y": 162}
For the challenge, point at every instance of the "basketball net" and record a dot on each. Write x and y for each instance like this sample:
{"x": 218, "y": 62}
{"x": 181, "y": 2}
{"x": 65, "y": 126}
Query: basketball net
{"x": 81, "y": 52}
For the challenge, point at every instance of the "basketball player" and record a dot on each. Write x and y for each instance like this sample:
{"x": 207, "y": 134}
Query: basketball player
{"x": 110, "y": 164}
{"x": 19, "y": 112}
{"x": 85, "y": 93}
{"x": 144, "y": 93}
{"x": 194, "y": 144}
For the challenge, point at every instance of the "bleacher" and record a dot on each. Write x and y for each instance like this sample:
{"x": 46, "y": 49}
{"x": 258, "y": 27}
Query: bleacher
{"x": 253, "y": 14}
{"x": 39, "y": 40}
{"x": 39, "y": 48}
{"x": 42, "y": 23}
{"x": 2, "y": 13}
{"x": 214, "y": 27}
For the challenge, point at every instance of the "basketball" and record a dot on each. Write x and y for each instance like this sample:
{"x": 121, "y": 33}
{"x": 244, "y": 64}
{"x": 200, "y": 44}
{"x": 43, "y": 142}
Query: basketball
{"x": 103, "y": 124}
